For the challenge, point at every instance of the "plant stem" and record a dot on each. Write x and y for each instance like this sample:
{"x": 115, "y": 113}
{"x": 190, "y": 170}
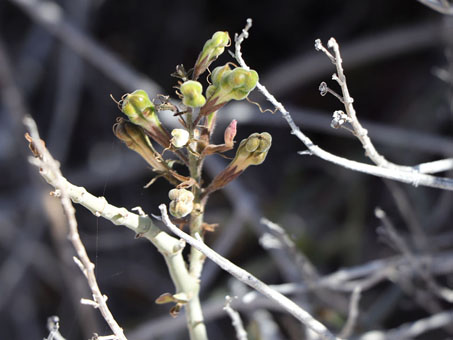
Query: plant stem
{"x": 195, "y": 320}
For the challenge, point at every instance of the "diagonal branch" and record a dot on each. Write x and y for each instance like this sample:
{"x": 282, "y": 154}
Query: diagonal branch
{"x": 411, "y": 176}
{"x": 250, "y": 280}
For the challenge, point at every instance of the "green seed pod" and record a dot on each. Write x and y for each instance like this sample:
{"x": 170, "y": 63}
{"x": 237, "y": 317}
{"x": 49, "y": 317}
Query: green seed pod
{"x": 192, "y": 92}
{"x": 135, "y": 103}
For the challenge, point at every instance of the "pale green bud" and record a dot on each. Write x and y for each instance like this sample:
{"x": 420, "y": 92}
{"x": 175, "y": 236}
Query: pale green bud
{"x": 211, "y": 51}
{"x": 242, "y": 81}
{"x": 218, "y": 74}
{"x": 141, "y": 111}
{"x": 251, "y": 151}
{"x": 228, "y": 85}
{"x": 134, "y": 104}
{"x": 192, "y": 92}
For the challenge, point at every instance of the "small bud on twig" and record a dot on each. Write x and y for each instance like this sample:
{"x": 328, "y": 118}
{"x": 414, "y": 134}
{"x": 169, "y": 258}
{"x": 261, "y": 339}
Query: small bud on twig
{"x": 251, "y": 151}
{"x": 141, "y": 111}
{"x": 181, "y": 202}
{"x": 211, "y": 51}
{"x": 192, "y": 94}
{"x": 228, "y": 85}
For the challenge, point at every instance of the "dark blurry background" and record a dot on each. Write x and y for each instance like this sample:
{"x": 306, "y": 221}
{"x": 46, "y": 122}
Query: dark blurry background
{"x": 67, "y": 57}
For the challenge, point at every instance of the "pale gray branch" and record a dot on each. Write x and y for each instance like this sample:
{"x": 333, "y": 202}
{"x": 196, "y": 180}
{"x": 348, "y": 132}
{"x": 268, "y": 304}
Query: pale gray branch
{"x": 412, "y": 329}
{"x": 241, "y": 334}
{"x": 250, "y": 280}
{"x": 48, "y": 165}
{"x": 410, "y": 177}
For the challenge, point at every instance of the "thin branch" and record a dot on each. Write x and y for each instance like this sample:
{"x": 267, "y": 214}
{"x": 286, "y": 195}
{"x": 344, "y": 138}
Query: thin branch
{"x": 250, "y": 280}
{"x": 358, "y": 130}
{"x": 441, "y": 6}
{"x": 307, "y": 270}
{"x": 49, "y": 165}
{"x": 241, "y": 334}
{"x": 50, "y": 15}
{"x": 412, "y": 329}
{"x": 417, "y": 266}
{"x": 353, "y": 314}
{"x": 301, "y": 70}
{"x": 410, "y": 177}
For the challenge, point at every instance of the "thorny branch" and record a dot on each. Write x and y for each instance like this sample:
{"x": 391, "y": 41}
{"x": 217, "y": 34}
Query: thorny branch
{"x": 48, "y": 165}
{"x": 412, "y": 176}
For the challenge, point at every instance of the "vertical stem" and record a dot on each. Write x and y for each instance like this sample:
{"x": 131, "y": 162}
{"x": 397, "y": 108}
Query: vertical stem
{"x": 195, "y": 321}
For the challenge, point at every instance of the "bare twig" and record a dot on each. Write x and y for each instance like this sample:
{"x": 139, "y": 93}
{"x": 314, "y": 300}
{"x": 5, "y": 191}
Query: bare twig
{"x": 345, "y": 280}
{"x": 300, "y": 70}
{"x": 250, "y": 280}
{"x": 410, "y": 177}
{"x": 241, "y": 334}
{"x": 347, "y": 100}
{"x": 417, "y": 266}
{"x": 412, "y": 329}
{"x": 307, "y": 270}
{"x": 384, "y": 134}
{"x": 348, "y": 328}
{"x": 51, "y": 16}
{"x": 48, "y": 165}
{"x": 441, "y": 6}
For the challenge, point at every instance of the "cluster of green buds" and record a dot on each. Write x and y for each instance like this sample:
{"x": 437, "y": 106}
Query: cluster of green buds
{"x": 141, "y": 111}
{"x": 251, "y": 151}
{"x": 211, "y": 51}
{"x": 192, "y": 94}
{"x": 181, "y": 202}
{"x": 228, "y": 84}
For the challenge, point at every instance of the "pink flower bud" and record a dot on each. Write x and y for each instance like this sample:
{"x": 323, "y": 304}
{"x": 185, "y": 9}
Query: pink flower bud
{"x": 230, "y": 133}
